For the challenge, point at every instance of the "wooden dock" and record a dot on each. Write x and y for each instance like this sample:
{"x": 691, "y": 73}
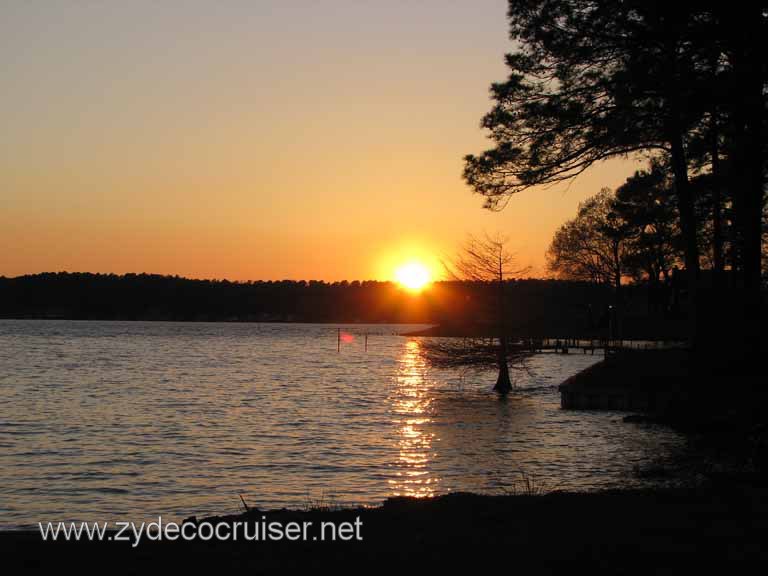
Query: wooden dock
{"x": 589, "y": 346}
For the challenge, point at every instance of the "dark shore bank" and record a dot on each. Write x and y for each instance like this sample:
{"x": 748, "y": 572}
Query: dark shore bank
{"x": 718, "y": 527}
{"x": 650, "y": 381}
{"x": 687, "y": 390}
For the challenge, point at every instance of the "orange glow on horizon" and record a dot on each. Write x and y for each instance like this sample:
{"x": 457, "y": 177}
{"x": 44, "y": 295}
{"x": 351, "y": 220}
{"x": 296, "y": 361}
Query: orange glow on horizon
{"x": 210, "y": 162}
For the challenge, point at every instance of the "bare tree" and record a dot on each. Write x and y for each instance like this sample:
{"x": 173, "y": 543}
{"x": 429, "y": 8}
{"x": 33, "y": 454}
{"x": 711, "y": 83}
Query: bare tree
{"x": 488, "y": 260}
{"x": 591, "y": 247}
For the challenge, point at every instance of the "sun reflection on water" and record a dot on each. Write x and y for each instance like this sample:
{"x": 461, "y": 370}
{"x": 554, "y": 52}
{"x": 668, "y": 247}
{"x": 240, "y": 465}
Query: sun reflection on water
{"x": 411, "y": 405}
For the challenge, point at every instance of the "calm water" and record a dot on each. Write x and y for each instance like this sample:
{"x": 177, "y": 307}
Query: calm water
{"x": 125, "y": 421}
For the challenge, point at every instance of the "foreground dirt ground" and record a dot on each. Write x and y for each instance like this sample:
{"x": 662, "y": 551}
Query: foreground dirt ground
{"x": 668, "y": 532}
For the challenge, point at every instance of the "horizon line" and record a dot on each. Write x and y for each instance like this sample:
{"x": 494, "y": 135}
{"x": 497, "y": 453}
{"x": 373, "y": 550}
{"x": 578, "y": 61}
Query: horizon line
{"x": 216, "y": 279}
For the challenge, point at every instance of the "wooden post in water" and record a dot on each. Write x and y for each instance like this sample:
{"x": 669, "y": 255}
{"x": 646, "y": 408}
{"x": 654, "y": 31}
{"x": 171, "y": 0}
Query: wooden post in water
{"x": 338, "y": 339}
{"x": 366, "y": 341}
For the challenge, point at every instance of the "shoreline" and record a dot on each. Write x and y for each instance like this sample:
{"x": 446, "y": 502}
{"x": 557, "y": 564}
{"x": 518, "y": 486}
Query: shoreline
{"x": 629, "y": 531}
{"x": 647, "y": 381}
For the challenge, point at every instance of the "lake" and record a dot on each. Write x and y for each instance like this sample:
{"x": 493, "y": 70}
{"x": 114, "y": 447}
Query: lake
{"x": 131, "y": 420}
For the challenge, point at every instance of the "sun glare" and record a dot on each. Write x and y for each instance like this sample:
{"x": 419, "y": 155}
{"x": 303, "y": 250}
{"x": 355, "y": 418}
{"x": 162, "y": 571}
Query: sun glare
{"x": 413, "y": 276}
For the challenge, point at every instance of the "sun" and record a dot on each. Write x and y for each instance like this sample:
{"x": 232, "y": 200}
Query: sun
{"x": 414, "y": 276}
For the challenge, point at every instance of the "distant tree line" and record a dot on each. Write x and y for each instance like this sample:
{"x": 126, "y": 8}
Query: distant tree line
{"x": 157, "y": 297}
{"x": 532, "y": 306}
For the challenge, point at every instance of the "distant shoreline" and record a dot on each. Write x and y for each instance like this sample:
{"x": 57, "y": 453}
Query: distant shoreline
{"x": 221, "y": 321}
{"x": 537, "y": 306}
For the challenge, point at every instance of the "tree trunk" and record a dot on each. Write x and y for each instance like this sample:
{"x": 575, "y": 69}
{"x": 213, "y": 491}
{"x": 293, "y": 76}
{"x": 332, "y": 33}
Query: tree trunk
{"x": 685, "y": 206}
{"x": 717, "y": 215}
{"x": 503, "y": 382}
{"x": 617, "y": 297}
{"x": 688, "y": 229}
{"x": 748, "y": 105}
{"x": 754, "y": 180}
{"x": 675, "y": 126}
{"x": 675, "y": 129}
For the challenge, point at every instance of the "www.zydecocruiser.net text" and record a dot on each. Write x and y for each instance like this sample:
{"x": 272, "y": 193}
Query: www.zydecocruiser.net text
{"x": 262, "y": 530}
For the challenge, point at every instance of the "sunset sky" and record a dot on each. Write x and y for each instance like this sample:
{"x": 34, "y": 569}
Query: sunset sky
{"x": 254, "y": 139}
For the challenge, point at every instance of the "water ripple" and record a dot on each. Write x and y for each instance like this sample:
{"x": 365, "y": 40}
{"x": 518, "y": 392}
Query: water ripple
{"x": 129, "y": 420}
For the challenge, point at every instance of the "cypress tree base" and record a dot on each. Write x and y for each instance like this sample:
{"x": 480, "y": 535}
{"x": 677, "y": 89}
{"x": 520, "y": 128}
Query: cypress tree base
{"x": 503, "y": 383}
